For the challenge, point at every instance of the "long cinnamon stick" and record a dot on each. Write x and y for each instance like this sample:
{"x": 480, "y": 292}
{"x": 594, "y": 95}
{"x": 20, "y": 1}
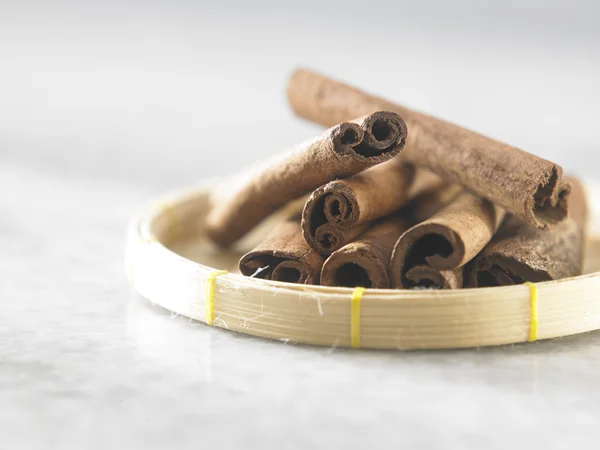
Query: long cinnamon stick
{"x": 336, "y": 213}
{"x": 283, "y": 256}
{"x": 522, "y": 253}
{"x": 343, "y": 150}
{"x": 364, "y": 262}
{"x": 522, "y": 183}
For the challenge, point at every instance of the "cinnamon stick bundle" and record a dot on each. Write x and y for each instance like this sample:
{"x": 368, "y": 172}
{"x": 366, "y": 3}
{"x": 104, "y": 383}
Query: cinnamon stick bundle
{"x": 364, "y": 262}
{"x": 341, "y": 151}
{"x": 338, "y": 212}
{"x": 522, "y": 253}
{"x": 522, "y": 183}
{"x": 283, "y": 256}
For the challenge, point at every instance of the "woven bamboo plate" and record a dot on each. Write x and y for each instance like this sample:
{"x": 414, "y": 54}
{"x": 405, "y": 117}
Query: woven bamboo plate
{"x": 171, "y": 264}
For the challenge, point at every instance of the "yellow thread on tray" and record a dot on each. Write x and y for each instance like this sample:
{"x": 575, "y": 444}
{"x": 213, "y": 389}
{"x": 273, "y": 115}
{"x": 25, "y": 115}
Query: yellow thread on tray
{"x": 533, "y": 318}
{"x": 210, "y": 294}
{"x": 355, "y": 317}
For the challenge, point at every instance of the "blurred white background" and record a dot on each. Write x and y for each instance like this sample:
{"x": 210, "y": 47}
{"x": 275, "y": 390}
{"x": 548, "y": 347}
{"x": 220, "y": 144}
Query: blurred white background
{"x": 104, "y": 104}
{"x": 170, "y": 92}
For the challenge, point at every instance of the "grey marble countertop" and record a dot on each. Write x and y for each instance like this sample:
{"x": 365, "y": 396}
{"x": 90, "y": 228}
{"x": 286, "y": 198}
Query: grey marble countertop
{"x": 105, "y": 107}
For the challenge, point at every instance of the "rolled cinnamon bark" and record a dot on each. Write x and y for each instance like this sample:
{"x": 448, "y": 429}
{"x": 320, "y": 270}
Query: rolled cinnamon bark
{"x": 522, "y": 253}
{"x": 365, "y": 261}
{"x": 522, "y": 183}
{"x": 283, "y": 256}
{"x": 341, "y": 151}
{"x": 338, "y": 212}
{"x": 447, "y": 240}
{"x": 327, "y": 238}
{"x": 431, "y": 194}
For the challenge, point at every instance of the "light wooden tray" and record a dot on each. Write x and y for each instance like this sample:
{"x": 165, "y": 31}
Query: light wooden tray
{"x": 170, "y": 262}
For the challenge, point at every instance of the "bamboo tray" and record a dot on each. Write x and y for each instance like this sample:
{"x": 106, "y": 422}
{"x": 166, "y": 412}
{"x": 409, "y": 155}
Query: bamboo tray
{"x": 169, "y": 262}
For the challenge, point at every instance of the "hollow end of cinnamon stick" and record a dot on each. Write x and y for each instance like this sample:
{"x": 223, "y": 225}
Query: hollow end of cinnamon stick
{"x": 437, "y": 245}
{"x": 340, "y": 205}
{"x": 284, "y": 255}
{"x": 355, "y": 268}
{"x": 548, "y": 205}
{"x": 294, "y": 272}
{"x": 258, "y": 265}
{"x": 328, "y": 209}
{"x": 417, "y": 248}
{"x": 277, "y": 265}
{"x": 326, "y": 238}
{"x": 374, "y": 138}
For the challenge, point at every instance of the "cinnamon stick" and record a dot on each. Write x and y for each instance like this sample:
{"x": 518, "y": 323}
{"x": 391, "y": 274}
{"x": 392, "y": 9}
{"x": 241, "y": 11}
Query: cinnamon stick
{"x": 522, "y": 253}
{"x": 522, "y": 183}
{"x": 337, "y": 212}
{"x": 430, "y": 195}
{"x": 283, "y": 256}
{"x": 341, "y": 151}
{"x": 447, "y": 240}
{"x": 364, "y": 262}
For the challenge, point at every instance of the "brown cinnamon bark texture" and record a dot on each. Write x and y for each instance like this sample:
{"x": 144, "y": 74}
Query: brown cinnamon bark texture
{"x": 283, "y": 256}
{"x": 522, "y": 183}
{"x": 522, "y": 253}
{"x": 447, "y": 240}
{"x": 337, "y": 212}
{"x": 341, "y": 151}
{"x": 409, "y": 266}
{"x": 365, "y": 261}
{"x": 428, "y": 194}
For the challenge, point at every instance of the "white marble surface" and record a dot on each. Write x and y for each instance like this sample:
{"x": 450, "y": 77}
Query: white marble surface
{"x": 105, "y": 107}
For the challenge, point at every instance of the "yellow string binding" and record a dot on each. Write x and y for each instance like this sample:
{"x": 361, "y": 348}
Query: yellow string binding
{"x": 355, "y": 316}
{"x": 210, "y": 294}
{"x": 534, "y": 314}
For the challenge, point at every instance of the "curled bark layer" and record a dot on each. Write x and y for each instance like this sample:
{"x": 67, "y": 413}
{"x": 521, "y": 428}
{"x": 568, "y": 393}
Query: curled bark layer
{"x": 365, "y": 261}
{"x": 449, "y": 239}
{"x": 283, "y": 256}
{"x": 339, "y": 211}
{"x": 445, "y": 217}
